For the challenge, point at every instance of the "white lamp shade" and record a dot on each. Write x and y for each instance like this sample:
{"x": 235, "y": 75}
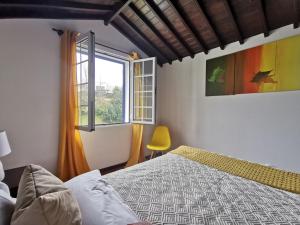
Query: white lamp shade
{"x": 4, "y": 144}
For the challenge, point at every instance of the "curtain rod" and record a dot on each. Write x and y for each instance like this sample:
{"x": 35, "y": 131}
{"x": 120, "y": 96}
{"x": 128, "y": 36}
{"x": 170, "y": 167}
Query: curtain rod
{"x": 106, "y": 46}
{"x": 61, "y": 32}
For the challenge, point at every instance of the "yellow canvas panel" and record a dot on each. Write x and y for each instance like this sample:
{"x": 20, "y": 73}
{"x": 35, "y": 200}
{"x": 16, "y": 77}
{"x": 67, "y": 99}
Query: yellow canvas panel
{"x": 268, "y": 64}
{"x": 288, "y": 64}
{"x": 268, "y": 57}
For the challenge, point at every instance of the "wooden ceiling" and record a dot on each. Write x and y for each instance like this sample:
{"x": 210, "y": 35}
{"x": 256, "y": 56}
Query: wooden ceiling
{"x": 169, "y": 29}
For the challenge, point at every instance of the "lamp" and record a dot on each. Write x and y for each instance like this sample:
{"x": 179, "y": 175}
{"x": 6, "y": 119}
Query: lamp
{"x": 4, "y": 144}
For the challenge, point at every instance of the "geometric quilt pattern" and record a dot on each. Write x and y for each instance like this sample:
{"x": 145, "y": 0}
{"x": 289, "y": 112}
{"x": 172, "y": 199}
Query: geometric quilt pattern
{"x": 174, "y": 190}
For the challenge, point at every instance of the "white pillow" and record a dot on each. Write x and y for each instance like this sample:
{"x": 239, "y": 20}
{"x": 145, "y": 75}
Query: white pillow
{"x": 7, "y": 205}
{"x": 1, "y": 172}
{"x": 92, "y": 175}
{"x": 99, "y": 203}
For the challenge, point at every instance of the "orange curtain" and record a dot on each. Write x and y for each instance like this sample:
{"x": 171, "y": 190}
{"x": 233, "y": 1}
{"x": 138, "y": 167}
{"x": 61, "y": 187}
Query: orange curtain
{"x": 71, "y": 157}
{"x": 137, "y": 151}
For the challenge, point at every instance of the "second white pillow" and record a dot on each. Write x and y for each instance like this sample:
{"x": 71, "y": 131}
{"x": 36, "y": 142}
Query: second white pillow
{"x": 99, "y": 203}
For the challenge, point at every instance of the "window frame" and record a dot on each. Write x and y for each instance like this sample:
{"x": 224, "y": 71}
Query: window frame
{"x": 90, "y": 37}
{"x": 154, "y": 69}
{"x": 103, "y": 56}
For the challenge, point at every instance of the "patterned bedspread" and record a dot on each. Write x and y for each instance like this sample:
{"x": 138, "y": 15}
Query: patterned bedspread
{"x": 174, "y": 190}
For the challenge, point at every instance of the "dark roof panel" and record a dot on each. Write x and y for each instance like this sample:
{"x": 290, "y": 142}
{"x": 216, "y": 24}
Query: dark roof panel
{"x": 169, "y": 29}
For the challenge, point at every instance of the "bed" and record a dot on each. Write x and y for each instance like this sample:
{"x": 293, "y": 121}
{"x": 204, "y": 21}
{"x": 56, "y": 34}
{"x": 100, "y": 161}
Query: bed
{"x": 173, "y": 189}
{"x": 185, "y": 186}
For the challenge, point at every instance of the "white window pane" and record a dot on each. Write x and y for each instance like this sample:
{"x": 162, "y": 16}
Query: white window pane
{"x": 137, "y": 114}
{"x": 78, "y": 59}
{"x": 78, "y": 73}
{"x": 84, "y": 72}
{"x": 83, "y": 115}
{"x": 148, "y": 83}
{"x": 147, "y": 114}
{"x": 82, "y": 51}
{"x": 138, "y": 69}
{"x": 143, "y": 98}
{"x": 109, "y": 89}
{"x": 138, "y": 101}
{"x": 84, "y": 57}
{"x": 147, "y": 99}
{"x": 148, "y": 67}
{"x": 138, "y": 84}
{"x": 84, "y": 45}
{"x": 85, "y": 80}
{"x": 83, "y": 94}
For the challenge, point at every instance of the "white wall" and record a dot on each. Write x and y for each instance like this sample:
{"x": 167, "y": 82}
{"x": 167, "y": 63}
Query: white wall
{"x": 257, "y": 127}
{"x": 108, "y": 145}
{"x": 263, "y": 128}
{"x": 29, "y": 92}
{"x": 30, "y": 88}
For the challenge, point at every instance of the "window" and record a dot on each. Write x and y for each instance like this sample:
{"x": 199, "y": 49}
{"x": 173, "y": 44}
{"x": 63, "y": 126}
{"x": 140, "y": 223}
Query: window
{"x": 112, "y": 87}
{"x": 112, "y": 90}
{"x": 143, "y": 91}
{"x": 85, "y": 73}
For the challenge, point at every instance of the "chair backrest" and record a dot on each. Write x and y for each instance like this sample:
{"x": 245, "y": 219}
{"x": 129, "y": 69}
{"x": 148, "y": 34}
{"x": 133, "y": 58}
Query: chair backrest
{"x": 161, "y": 136}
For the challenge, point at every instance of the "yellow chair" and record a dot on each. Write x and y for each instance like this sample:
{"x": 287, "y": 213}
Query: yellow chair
{"x": 161, "y": 140}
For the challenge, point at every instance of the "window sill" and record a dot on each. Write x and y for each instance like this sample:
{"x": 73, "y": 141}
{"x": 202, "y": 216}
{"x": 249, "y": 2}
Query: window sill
{"x": 111, "y": 125}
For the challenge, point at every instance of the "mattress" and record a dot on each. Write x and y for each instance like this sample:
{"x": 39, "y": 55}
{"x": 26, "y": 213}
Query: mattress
{"x": 172, "y": 189}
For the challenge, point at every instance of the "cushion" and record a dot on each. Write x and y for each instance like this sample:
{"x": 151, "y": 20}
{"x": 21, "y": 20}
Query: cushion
{"x": 99, "y": 203}
{"x": 7, "y": 205}
{"x": 1, "y": 172}
{"x": 43, "y": 200}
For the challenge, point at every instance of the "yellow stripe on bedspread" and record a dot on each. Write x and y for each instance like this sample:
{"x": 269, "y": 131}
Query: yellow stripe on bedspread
{"x": 263, "y": 174}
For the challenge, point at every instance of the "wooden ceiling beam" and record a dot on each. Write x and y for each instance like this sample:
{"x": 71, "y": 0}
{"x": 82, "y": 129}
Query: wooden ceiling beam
{"x": 210, "y": 24}
{"x": 55, "y": 5}
{"x": 180, "y": 12}
{"x": 263, "y": 16}
{"x": 119, "y": 8}
{"x": 156, "y": 10}
{"x": 140, "y": 46}
{"x": 234, "y": 20}
{"x": 144, "y": 37}
{"x": 155, "y": 31}
{"x": 296, "y": 13}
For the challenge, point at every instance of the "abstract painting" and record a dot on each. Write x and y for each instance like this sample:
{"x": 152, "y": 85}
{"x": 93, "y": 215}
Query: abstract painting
{"x": 267, "y": 68}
